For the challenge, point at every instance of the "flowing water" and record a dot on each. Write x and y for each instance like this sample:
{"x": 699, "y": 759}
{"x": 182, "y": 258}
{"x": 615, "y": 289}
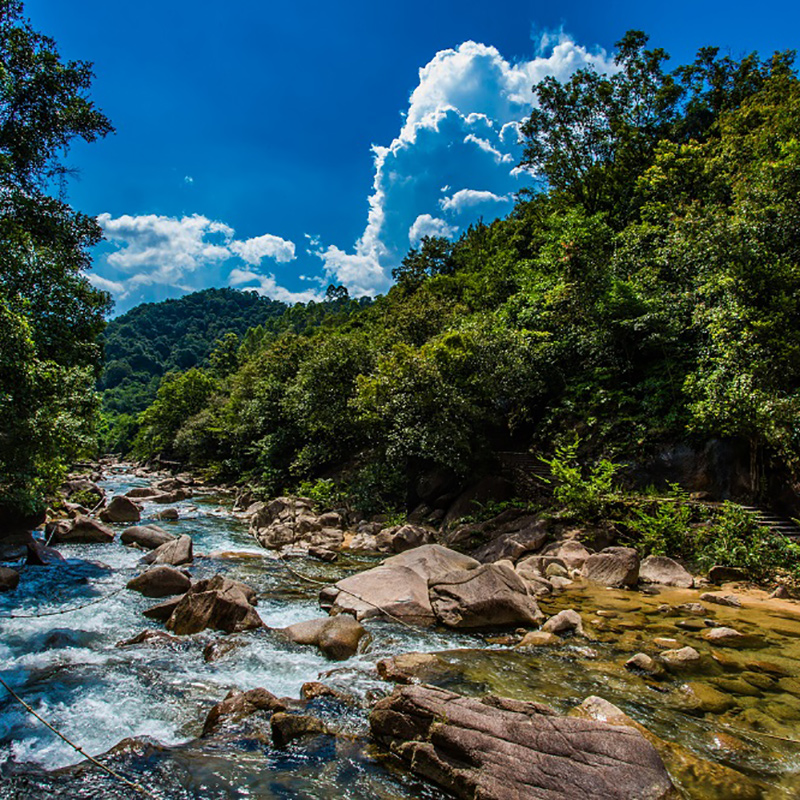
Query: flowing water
{"x": 70, "y": 668}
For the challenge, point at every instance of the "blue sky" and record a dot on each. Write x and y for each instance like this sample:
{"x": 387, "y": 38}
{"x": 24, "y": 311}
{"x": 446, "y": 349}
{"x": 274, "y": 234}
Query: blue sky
{"x": 283, "y": 147}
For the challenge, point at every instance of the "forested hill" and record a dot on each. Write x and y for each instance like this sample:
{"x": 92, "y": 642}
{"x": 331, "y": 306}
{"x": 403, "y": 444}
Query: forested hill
{"x": 155, "y": 338}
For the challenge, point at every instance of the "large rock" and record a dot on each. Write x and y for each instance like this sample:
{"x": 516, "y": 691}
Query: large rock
{"x": 570, "y": 552}
{"x": 614, "y": 566}
{"x": 160, "y": 581}
{"x": 399, "y": 587}
{"x": 215, "y": 603}
{"x": 337, "y": 637}
{"x": 400, "y": 538}
{"x": 288, "y": 727}
{"x": 163, "y": 611}
{"x": 707, "y": 779}
{"x": 176, "y": 552}
{"x": 490, "y": 596}
{"x": 40, "y": 555}
{"x": 498, "y": 749}
{"x": 664, "y": 571}
{"x": 83, "y": 530}
{"x": 142, "y": 492}
{"x": 148, "y": 536}
{"x": 121, "y": 509}
{"x": 526, "y": 535}
{"x": 9, "y": 579}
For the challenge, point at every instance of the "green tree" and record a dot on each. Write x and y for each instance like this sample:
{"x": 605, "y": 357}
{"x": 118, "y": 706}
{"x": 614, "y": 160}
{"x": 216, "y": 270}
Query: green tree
{"x": 51, "y": 312}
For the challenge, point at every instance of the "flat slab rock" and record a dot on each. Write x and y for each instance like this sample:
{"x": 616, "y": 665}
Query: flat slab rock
{"x": 500, "y": 749}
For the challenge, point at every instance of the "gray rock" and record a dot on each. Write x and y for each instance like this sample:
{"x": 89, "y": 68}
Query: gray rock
{"x": 498, "y": 749}
{"x": 215, "y": 603}
{"x": 9, "y": 579}
{"x": 398, "y": 539}
{"x": 121, "y": 509}
{"x": 490, "y": 596}
{"x": 238, "y": 706}
{"x": 83, "y": 530}
{"x": 614, "y": 566}
{"x": 160, "y": 581}
{"x": 730, "y": 600}
{"x": 176, "y": 552}
{"x": 565, "y": 621}
{"x": 664, "y": 571}
{"x": 337, "y": 637}
{"x": 148, "y": 536}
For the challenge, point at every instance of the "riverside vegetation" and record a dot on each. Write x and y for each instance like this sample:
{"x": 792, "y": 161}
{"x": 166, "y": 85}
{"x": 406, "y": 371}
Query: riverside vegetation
{"x": 642, "y": 298}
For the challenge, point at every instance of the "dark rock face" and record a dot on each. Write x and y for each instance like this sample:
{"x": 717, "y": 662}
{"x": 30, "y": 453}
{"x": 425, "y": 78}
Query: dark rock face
{"x": 492, "y": 487}
{"x": 148, "y": 536}
{"x": 493, "y": 595}
{"x": 337, "y": 637}
{"x": 721, "y": 574}
{"x": 176, "y": 552}
{"x": 160, "y": 581}
{"x": 82, "y": 530}
{"x": 239, "y": 705}
{"x": 614, "y": 566}
{"x": 497, "y": 749}
{"x": 214, "y": 603}
{"x": 9, "y": 579}
{"x": 121, "y": 509}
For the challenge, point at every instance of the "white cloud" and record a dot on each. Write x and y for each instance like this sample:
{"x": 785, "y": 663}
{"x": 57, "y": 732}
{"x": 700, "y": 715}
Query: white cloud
{"x": 266, "y": 285}
{"x": 469, "y": 198}
{"x": 426, "y": 225}
{"x": 461, "y": 131}
{"x": 105, "y": 285}
{"x": 184, "y": 253}
{"x": 255, "y": 249}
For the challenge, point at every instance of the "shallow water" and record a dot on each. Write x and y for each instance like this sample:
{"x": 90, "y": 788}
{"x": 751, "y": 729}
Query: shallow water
{"x": 70, "y": 669}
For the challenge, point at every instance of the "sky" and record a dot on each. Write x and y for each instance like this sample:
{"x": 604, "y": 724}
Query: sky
{"x": 282, "y": 147}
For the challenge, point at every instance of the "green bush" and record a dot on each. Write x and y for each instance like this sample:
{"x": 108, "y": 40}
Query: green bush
{"x": 323, "y": 492}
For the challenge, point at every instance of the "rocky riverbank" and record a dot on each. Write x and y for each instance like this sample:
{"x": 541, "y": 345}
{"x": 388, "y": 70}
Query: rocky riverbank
{"x": 561, "y": 665}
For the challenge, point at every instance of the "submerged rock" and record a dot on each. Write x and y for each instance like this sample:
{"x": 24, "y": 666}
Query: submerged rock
{"x": 410, "y": 667}
{"x": 683, "y": 658}
{"x": 497, "y": 749}
{"x": 566, "y": 621}
{"x": 337, "y": 637}
{"x": 287, "y": 727}
{"x": 238, "y": 705}
{"x": 730, "y": 600}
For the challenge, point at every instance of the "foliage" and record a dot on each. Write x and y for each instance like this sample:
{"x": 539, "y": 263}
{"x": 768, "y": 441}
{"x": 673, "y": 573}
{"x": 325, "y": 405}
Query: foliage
{"x": 583, "y": 493}
{"x": 663, "y": 529}
{"x": 50, "y": 315}
{"x": 324, "y": 492}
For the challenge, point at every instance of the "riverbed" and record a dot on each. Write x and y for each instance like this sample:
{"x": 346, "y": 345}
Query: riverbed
{"x": 70, "y": 668}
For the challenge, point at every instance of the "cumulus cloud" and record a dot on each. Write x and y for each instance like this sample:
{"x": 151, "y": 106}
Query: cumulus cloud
{"x": 266, "y": 285}
{"x": 266, "y": 246}
{"x": 426, "y": 225}
{"x": 469, "y": 198}
{"x": 461, "y": 131}
{"x": 182, "y": 253}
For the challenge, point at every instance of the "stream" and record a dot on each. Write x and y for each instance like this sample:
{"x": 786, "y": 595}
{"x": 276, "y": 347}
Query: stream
{"x": 70, "y": 668}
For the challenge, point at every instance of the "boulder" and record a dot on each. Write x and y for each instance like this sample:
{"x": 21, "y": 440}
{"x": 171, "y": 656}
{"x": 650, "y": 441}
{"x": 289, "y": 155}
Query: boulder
{"x": 121, "y": 509}
{"x": 614, "y": 566}
{"x": 313, "y": 690}
{"x": 498, "y": 749}
{"x": 160, "y": 581}
{"x": 214, "y": 603}
{"x": 707, "y": 779}
{"x": 172, "y": 484}
{"x": 147, "y": 536}
{"x": 684, "y": 658}
{"x": 238, "y": 705}
{"x": 221, "y": 582}
{"x": 539, "y": 639}
{"x": 398, "y": 539}
{"x": 516, "y": 543}
{"x": 151, "y": 637}
{"x": 287, "y": 727}
{"x": 142, "y": 492}
{"x": 167, "y": 514}
{"x": 162, "y": 611}
{"x": 336, "y": 637}
{"x": 664, "y": 571}
{"x": 569, "y": 552}
{"x": 730, "y": 600}
{"x": 40, "y": 555}
{"x": 727, "y": 637}
{"x": 175, "y": 496}
{"x": 489, "y": 596}
{"x": 411, "y": 667}
{"x": 363, "y": 542}
{"x": 175, "y": 552}
{"x": 83, "y": 530}
{"x": 721, "y": 574}
{"x": 641, "y": 662}
{"x": 9, "y": 579}
{"x": 399, "y": 586}
{"x": 566, "y": 621}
